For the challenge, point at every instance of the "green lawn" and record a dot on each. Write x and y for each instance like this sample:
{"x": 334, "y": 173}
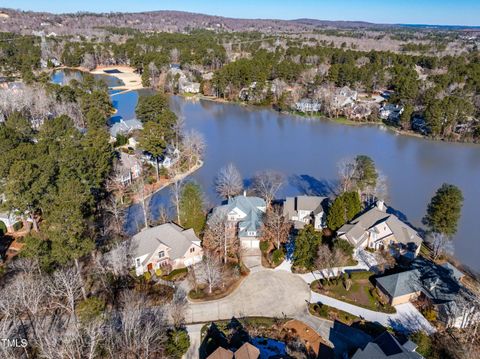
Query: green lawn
{"x": 361, "y": 293}
{"x": 330, "y": 313}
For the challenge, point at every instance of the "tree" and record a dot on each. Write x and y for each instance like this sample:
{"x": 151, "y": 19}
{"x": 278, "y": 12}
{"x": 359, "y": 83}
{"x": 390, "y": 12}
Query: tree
{"x": 267, "y": 183}
{"x": 276, "y": 227}
{"x": 346, "y": 172}
{"x": 193, "y": 147}
{"x": 406, "y": 117}
{"x": 192, "y": 212}
{"x": 219, "y": 237}
{"x": 343, "y": 209}
{"x": 153, "y": 140}
{"x": 209, "y": 270}
{"x": 444, "y": 210}
{"x": 306, "y": 245}
{"x": 365, "y": 174}
{"x": 228, "y": 182}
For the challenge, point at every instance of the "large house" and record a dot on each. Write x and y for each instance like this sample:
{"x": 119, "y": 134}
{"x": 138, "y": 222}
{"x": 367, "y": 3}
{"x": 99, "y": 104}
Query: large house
{"x": 244, "y": 213}
{"x": 302, "y": 210}
{"x": 307, "y": 105}
{"x": 376, "y": 229}
{"x": 128, "y": 169}
{"x": 165, "y": 247}
{"x": 387, "y": 346}
{"x": 246, "y": 351}
{"x": 440, "y": 285}
{"x": 125, "y": 127}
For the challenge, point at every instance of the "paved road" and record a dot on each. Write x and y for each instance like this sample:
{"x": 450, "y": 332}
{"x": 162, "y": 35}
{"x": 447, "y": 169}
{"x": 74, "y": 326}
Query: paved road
{"x": 265, "y": 293}
{"x": 194, "y": 332}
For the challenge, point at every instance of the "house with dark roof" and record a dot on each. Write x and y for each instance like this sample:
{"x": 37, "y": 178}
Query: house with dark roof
{"x": 377, "y": 229}
{"x": 244, "y": 214}
{"x": 125, "y": 127}
{"x": 302, "y": 210}
{"x": 386, "y": 346}
{"x": 165, "y": 247}
{"x": 128, "y": 168}
{"x": 441, "y": 285}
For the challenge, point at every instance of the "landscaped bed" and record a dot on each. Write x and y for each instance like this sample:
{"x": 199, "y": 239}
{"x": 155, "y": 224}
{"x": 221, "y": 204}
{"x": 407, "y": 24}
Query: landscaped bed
{"x": 330, "y": 313}
{"x": 355, "y": 289}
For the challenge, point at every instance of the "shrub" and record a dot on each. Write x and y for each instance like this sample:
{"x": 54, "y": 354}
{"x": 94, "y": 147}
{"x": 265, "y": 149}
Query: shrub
{"x": 121, "y": 140}
{"x": 277, "y": 256}
{"x": 17, "y": 226}
{"x": 158, "y": 272}
{"x": 424, "y": 343}
{"x": 3, "y": 228}
{"x": 89, "y": 309}
{"x": 360, "y": 275}
{"x": 147, "y": 276}
{"x": 177, "y": 344}
{"x": 343, "y": 246}
{"x": 264, "y": 246}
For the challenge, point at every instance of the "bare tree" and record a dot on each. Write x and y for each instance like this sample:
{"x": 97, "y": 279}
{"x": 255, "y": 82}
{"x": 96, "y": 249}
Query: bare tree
{"x": 117, "y": 261}
{"x": 89, "y": 61}
{"x": 346, "y": 172}
{"x": 228, "y": 182}
{"x": 65, "y": 289}
{"x": 220, "y": 235}
{"x": 193, "y": 147}
{"x": 276, "y": 227}
{"x": 140, "y": 191}
{"x": 267, "y": 183}
{"x": 176, "y": 192}
{"x": 441, "y": 244}
{"x": 209, "y": 271}
{"x": 177, "y": 308}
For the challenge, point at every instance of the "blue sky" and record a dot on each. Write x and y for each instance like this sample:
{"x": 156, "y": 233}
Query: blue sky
{"x": 459, "y": 12}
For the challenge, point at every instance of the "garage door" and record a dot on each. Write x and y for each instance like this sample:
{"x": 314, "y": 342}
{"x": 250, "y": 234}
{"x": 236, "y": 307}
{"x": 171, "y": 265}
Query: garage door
{"x": 250, "y": 243}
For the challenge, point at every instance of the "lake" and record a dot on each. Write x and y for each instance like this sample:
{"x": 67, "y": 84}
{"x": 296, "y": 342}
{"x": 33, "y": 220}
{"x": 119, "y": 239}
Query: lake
{"x": 307, "y": 152}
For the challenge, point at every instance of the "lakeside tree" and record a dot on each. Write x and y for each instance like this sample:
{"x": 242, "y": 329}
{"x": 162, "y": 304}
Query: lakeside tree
{"x": 228, "y": 182}
{"x": 192, "y": 211}
{"x": 444, "y": 210}
{"x": 276, "y": 227}
{"x": 365, "y": 174}
{"x": 266, "y": 184}
{"x": 306, "y": 245}
{"x": 153, "y": 140}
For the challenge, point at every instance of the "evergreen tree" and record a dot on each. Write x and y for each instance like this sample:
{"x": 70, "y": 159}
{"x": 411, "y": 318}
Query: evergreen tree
{"x": 444, "y": 210}
{"x": 306, "y": 246}
{"x": 352, "y": 203}
{"x": 365, "y": 173}
{"x": 192, "y": 212}
{"x": 152, "y": 140}
{"x": 336, "y": 214}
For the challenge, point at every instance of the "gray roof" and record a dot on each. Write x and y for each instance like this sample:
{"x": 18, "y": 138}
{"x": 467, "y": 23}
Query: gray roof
{"x": 456, "y": 273}
{"x": 400, "y": 284}
{"x": 386, "y": 346}
{"x": 313, "y": 204}
{"x": 169, "y": 234}
{"x": 125, "y": 126}
{"x": 402, "y": 232}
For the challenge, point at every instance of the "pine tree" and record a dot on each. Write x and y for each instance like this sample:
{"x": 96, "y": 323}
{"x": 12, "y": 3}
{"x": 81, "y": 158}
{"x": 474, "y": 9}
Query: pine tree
{"x": 306, "y": 246}
{"x": 192, "y": 212}
{"x": 444, "y": 210}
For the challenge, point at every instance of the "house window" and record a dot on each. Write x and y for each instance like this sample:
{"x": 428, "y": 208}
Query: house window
{"x": 192, "y": 249}
{"x": 251, "y": 233}
{"x": 161, "y": 254}
{"x": 137, "y": 262}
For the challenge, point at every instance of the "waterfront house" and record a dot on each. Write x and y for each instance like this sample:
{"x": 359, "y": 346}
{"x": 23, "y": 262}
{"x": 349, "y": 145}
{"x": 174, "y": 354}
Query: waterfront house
{"x": 128, "y": 168}
{"x": 391, "y": 112}
{"x": 440, "y": 285}
{"x": 378, "y": 230}
{"x": 385, "y": 346}
{"x": 125, "y": 127}
{"x": 344, "y": 97}
{"x": 307, "y": 105}
{"x": 185, "y": 86}
{"x": 302, "y": 210}
{"x": 243, "y": 214}
{"x": 166, "y": 247}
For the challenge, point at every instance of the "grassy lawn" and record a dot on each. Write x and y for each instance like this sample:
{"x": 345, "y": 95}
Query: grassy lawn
{"x": 330, "y": 313}
{"x": 176, "y": 274}
{"x": 361, "y": 293}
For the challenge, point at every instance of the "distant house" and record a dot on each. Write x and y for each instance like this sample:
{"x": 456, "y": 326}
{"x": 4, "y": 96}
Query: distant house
{"x": 345, "y": 97}
{"x": 244, "y": 214}
{"x": 307, "y": 105}
{"x": 391, "y": 112}
{"x": 359, "y": 111}
{"x": 128, "y": 169}
{"x": 167, "y": 247}
{"x": 246, "y": 351}
{"x": 125, "y": 127}
{"x": 377, "y": 229}
{"x": 439, "y": 284}
{"x": 387, "y": 346}
{"x": 185, "y": 86}
{"x": 302, "y": 210}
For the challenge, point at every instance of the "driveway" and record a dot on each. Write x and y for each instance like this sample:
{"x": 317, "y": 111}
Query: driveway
{"x": 194, "y": 332}
{"x": 265, "y": 293}
{"x": 407, "y": 318}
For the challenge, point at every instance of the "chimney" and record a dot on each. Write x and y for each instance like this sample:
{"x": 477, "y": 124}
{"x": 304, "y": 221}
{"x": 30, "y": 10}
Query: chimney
{"x": 244, "y": 193}
{"x": 381, "y": 205}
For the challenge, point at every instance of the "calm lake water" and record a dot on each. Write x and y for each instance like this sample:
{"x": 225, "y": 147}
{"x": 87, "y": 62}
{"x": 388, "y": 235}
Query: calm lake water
{"x": 307, "y": 152}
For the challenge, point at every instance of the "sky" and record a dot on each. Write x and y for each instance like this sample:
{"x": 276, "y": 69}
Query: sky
{"x": 438, "y": 12}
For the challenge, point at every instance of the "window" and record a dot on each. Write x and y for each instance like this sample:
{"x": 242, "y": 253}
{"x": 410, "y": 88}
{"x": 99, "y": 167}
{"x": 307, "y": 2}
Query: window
{"x": 137, "y": 262}
{"x": 161, "y": 254}
{"x": 192, "y": 249}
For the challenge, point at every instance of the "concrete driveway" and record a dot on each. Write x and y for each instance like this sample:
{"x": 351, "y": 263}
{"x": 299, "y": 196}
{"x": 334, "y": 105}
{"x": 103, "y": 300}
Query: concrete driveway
{"x": 265, "y": 293}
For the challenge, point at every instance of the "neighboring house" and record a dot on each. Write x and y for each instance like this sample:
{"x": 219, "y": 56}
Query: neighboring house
{"x": 245, "y": 214}
{"x": 359, "y": 111}
{"x": 307, "y": 105}
{"x": 440, "y": 285}
{"x": 391, "y": 112}
{"x": 128, "y": 169}
{"x": 302, "y": 210}
{"x": 125, "y": 127}
{"x": 246, "y": 351}
{"x": 345, "y": 97}
{"x": 387, "y": 346}
{"x": 185, "y": 86}
{"x": 167, "y": 247}
{"x": 376, "y": 229}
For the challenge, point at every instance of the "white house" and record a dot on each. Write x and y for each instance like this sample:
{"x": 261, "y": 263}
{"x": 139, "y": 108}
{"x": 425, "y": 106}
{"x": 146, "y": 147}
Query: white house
{"x": 302, "y": 210}
{"x": 125, "y": 127}
{"x": 345, "y": 97}
{"x": 185, "y": 86}
{"x": 391, "y": 112}
{"x": 245, "y": 214}
{"x": 307, "y": 105}
{"x": 165, "y": 247}
{"x": 377, "y": 229}
{"x": 129, "y": 168}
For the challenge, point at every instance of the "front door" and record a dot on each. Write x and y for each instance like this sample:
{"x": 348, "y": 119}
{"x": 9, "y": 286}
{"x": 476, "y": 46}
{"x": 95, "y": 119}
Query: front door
{"x": 149, "y": 266}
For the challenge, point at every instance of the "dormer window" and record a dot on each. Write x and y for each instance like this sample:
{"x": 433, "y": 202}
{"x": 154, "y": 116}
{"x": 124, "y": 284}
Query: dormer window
{"x": 137, "y": 262}
{"x": 161, "y": 254}
{"x": 192, "y": 249}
